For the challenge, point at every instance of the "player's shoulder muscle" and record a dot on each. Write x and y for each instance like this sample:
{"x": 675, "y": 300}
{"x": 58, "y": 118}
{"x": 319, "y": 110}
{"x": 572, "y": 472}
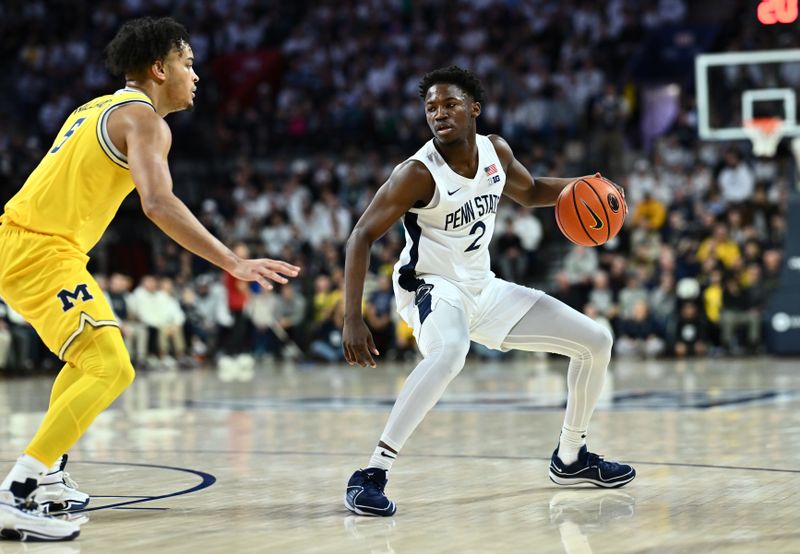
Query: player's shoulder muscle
{"x": 410, "y": 181}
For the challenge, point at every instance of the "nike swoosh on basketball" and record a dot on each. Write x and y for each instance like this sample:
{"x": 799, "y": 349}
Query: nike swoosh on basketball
{"x": 598, "y": 224}
{"x": 451, "y": 193}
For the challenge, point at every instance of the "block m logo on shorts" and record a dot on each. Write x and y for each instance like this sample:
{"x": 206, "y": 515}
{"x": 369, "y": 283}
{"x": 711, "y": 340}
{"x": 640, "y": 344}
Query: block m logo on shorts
{"x": 68, "y": 297}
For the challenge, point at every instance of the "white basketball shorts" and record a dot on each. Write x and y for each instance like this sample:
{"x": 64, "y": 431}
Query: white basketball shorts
{"x": 491, "y": 313}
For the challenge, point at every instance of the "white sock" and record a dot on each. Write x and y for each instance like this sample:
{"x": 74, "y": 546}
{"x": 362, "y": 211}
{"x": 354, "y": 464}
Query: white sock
{"x": 570, "y": 443}
{"x": 26, "y": 469}
{"x": 382, "y": 458}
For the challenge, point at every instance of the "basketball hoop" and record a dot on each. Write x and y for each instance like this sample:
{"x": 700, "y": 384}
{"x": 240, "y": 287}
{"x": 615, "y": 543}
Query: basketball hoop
{"x": 765, "y": 134}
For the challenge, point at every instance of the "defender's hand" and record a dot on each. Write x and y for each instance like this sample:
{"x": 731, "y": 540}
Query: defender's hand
{"x": 357, "y": 343}
{"x": 262, "y": 269}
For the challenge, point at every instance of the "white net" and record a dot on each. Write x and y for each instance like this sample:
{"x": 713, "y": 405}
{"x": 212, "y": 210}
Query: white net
{"x": 765, "y": 134}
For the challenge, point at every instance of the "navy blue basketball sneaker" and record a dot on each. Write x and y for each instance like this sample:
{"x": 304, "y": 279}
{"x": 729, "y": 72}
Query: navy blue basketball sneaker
{"x": 365, "y": 495}
{"x": 590, "y": 468}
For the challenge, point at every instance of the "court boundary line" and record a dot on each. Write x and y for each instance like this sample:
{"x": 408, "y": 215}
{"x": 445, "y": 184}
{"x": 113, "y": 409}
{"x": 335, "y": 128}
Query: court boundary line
{"x": 681, "y": 401}
{"x": 418, "y": 455}
{"x": 206, "y": 480}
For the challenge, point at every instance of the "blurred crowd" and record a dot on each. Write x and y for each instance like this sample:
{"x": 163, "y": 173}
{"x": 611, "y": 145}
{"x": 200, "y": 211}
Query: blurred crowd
{"x": 305, "y": 107}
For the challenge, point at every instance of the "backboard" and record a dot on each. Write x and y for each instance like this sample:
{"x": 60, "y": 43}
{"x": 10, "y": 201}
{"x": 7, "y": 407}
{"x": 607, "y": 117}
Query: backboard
{"x": 735, "y": 88}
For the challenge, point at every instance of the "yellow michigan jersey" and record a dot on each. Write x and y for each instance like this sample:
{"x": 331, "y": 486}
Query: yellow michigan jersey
{"x": 59, "y": 214}
{"x": 77, "y": 188}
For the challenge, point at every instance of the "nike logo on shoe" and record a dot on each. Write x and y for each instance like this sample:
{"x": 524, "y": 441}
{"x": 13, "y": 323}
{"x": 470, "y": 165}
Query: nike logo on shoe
{"x": 451, "y": 193}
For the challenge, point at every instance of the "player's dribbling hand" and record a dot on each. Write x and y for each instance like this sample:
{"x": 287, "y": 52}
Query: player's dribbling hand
{"x": 619, "y": 188}
{"x": 262, "y": 269}
{"x": 357, "y": 343}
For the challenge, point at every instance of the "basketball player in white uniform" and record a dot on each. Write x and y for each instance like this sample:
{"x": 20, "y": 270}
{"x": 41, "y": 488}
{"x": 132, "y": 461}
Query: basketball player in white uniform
{"x": 447, "y": 195}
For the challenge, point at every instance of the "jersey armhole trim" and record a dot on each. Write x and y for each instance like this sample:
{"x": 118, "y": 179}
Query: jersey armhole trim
{"x": 104, "y": 139}
{"x": 434, "y": 199}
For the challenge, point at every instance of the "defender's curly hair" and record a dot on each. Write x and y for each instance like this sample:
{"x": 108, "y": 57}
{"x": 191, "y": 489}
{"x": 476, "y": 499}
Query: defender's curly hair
{"x": 464, "y": 79}
{"x": 142, "y": 41}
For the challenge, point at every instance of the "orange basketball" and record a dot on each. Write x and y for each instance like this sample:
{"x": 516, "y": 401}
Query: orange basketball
{"x": 590, "y": 211}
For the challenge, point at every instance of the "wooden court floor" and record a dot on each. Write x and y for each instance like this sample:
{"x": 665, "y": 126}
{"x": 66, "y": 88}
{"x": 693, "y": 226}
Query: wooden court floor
{"x": 185, "y": 462}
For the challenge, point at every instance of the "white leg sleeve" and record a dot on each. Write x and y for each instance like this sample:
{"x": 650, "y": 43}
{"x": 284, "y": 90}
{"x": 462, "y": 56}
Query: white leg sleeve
{"x": 444, "y": 341}
{"x": 552, "y": 326}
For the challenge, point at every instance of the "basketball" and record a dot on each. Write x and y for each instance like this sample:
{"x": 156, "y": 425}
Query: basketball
{"x": 590, "y": 211}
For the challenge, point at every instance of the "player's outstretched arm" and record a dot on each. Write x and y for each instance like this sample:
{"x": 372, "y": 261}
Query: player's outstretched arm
{"x": 409, "y": 185}
{"x": 522, "y": 188}
{"x": 147, "y": 139}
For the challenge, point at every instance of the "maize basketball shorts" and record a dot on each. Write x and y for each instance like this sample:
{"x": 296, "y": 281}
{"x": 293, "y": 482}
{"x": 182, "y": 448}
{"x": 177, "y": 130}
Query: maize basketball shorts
{"x": 44, "y": 279}
{"x": 491, "y": 313}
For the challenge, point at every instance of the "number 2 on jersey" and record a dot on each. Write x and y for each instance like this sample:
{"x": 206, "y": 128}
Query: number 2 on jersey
{"x": 479, "y": 226}
{"x": 68, "y": 134}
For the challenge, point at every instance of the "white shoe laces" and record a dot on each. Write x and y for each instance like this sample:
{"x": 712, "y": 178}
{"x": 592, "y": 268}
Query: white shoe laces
{"x": 68, "y": 481}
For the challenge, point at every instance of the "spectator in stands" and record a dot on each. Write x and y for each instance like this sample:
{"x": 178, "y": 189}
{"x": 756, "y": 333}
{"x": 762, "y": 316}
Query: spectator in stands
{"x": 633, "y": 294}
{"x": 133, "y": 331}
{"x": 736, "y": 180}
{"x": 609, "y": 114}
{"x": 689, "y": 332}
{"x": 771, "y": 275}
{"x": 290, "y": 313}
{"x": 720, "y": 247}
{"x": 261, "y": 310}
{"x": 325, "y": 298}
{"x": 580, "y": 265}
{"x": 237, "y": 337}
{"x": 617, "y": 274}
{"x": 529, "y": 230}
{"x": 277, "y": 233}
{"x": 210, "y": 313}
{"x": 712, "y": 304}
{"x": 326, "y": 343}
{"x": 641, "y": 182}
{"x": 740, "y": 308}
{"x": 662, "y": 302}
{"x": 146, "y": 307}
{"x": 601, "y": 297}
{"x": 379, "y": 308}
{"x": 566, "y": 291}
{"x": 510, "y": 257}
{"x": 171, "y": 338}
{"x": 638, "y": 334}
{"x": 650, "y": 212}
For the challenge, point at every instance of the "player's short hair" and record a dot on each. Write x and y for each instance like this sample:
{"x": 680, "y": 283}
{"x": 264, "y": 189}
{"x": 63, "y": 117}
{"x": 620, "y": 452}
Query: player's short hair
{"x": 140, "y": 42}
{"x": 464, "y": 79}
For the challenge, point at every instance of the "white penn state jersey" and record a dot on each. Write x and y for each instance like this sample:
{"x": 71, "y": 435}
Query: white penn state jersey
{"x": 450, "y": 236}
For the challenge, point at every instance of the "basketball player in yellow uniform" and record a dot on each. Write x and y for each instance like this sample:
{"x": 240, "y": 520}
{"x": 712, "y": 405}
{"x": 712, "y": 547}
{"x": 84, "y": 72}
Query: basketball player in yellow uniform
{"x": 105, "y": 149}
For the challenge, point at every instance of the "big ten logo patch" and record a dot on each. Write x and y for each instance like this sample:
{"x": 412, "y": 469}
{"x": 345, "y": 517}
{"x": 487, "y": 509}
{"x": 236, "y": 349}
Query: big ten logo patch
{"x": 70, "y": 297}
{"x": 491, "y": 174}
